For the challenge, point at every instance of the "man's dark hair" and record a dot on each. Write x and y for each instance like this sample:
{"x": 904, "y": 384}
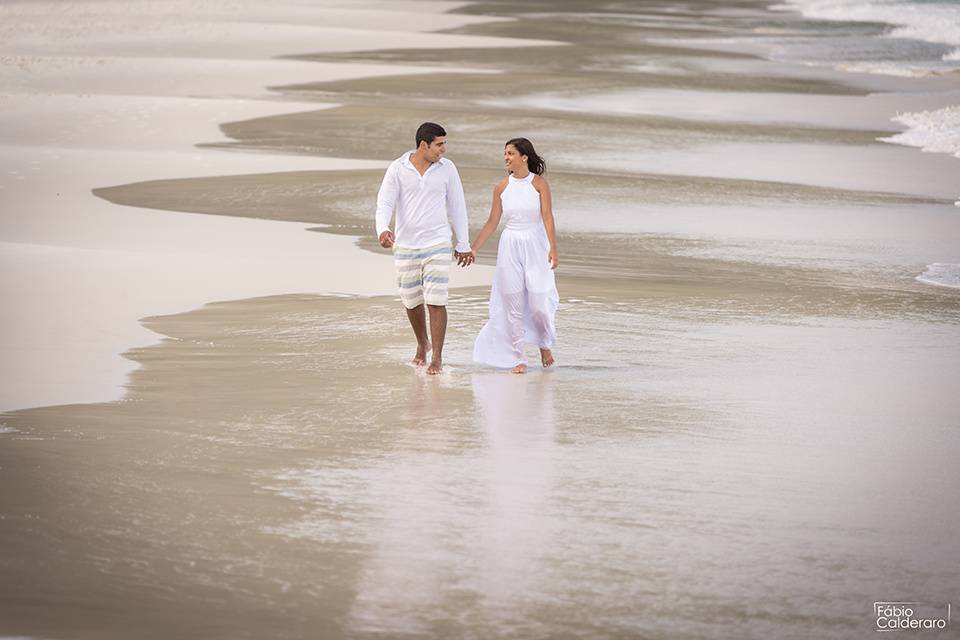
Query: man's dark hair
{"x": 428, "y": 131}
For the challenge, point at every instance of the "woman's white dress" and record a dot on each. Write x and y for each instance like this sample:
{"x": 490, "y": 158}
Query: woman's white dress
{"x": 523, "y": 299}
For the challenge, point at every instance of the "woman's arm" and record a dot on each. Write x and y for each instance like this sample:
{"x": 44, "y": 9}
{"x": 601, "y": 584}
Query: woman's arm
{"x": 546, "y": 211}
{"x": 496, "y": 210}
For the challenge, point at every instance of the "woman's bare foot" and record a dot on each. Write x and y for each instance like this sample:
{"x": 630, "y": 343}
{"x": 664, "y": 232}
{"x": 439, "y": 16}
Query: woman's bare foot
{"x": 435, "y": 367}
{"x": 520, "y": 368}
{"x": 546, "y": 357}
{"x": 421, "y": 358}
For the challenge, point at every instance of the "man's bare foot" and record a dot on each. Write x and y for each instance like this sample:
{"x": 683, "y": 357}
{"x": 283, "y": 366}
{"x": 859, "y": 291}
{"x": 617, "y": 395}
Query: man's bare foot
{"x": 520, "y": 368}
{"x": 421, "y": 358}
{"x": 435, "y": 367}
{"x": 546, "y": 357}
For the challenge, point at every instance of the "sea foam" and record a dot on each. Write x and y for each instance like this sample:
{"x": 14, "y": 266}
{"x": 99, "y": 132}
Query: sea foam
{"x": 937, "y": 131}
{"x": 942, "y": 275}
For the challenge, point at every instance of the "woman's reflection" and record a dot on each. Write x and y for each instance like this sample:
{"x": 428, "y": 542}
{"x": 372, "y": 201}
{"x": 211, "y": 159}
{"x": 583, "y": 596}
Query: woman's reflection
{"x": 517, "y": 416}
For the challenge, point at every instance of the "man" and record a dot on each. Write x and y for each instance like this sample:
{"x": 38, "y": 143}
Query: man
{"x": 423, "y": 187}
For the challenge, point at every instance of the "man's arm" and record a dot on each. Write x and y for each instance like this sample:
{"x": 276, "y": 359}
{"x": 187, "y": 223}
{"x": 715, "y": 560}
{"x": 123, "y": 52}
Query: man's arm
{"x": 457, "y": 206}
{"x": 386, "y": 203}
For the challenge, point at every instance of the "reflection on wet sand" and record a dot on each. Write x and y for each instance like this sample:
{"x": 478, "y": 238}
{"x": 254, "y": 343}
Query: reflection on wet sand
{"x": 517, "y": 416}
{"x": 453, "y": 530}
{"x": 404, "y": 573}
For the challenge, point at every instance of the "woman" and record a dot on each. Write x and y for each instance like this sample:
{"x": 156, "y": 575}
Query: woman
{"x": 524, "y": 296}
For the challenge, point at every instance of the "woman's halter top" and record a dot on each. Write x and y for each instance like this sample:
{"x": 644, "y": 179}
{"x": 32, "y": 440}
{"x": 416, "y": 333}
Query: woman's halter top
{"x": 521, "y": 204}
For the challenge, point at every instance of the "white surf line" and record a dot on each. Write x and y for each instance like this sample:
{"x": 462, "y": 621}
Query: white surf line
{"x": 941, "y": 274}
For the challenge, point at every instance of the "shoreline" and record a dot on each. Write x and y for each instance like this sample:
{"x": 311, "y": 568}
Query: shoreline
{"x": 387, "y": 70}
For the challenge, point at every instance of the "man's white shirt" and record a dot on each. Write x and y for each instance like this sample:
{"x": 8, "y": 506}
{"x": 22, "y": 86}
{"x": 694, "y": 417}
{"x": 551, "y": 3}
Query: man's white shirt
{"x": 422, "y": 203}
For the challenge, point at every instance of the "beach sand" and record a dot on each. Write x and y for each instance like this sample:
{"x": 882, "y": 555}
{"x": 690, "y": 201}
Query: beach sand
{"x": 751, "y": 431}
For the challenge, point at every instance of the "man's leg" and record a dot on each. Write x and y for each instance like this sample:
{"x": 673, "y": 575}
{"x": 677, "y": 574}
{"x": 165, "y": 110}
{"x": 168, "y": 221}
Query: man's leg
{"x": 418, "y": 321}
{"x": 438, "y": 331}
{"x": 410, "y": 282}
{"x": 436, "y": 269}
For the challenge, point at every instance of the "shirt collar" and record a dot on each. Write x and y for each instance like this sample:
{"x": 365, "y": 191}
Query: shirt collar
{"x": 405, "y": 159}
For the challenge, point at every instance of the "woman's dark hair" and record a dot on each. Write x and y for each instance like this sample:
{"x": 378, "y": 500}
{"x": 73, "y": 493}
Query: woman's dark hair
{"x": 524, "y": 147}
{"x": 428, "y": 131}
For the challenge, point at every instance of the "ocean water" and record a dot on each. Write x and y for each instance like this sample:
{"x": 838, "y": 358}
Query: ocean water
{"x": 910, "y": 38}
{"x": 916, "y": 37}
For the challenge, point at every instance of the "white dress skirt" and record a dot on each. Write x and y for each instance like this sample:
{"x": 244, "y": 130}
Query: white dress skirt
{"x": 524, "y": 298}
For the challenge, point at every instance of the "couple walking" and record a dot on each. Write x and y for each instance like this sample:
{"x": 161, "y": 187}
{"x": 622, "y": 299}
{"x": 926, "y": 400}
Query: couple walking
{"x": 423, "y": 187}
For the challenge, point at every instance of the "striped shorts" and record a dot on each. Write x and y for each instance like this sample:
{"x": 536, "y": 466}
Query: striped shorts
{"x": 422, "y": 274}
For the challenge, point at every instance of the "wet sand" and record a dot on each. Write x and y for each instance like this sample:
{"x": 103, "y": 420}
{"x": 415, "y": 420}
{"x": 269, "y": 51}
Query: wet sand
{"x": 276, "y": 468}
{"x": 750, "y": 433}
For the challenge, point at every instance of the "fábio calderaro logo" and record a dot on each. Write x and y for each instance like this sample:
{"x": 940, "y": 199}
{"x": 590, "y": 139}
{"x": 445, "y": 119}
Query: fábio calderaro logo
{"x": 906, "y": 616}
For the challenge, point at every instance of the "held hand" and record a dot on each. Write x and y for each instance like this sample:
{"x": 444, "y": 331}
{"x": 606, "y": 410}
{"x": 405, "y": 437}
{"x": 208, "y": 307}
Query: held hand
{"x": 465, "y": 259}
{"x": 553, "y": 259}
{"x": 386, "y": 239}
